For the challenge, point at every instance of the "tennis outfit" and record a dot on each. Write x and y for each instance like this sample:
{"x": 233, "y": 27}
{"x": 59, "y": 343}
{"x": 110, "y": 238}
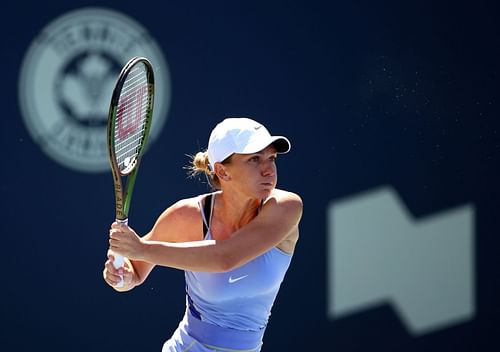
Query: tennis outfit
{"x": 229, "y": 312}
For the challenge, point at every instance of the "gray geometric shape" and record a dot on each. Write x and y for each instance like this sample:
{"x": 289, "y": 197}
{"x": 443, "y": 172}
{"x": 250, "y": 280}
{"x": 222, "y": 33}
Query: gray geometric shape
{"x": 378, "y": 253}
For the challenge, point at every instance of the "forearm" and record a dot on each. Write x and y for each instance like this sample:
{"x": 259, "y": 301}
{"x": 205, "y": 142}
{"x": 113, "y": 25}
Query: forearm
{"x": 203, "y": 256}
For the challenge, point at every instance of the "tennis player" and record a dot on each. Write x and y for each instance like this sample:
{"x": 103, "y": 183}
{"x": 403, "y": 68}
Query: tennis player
{"x": 234, "y": 245}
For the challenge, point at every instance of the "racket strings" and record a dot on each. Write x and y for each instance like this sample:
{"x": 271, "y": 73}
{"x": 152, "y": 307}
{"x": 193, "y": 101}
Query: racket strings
{"x": 132, "y": 111}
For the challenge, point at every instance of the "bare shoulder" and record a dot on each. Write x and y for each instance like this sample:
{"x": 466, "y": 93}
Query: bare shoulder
{"x": 181, "y": 222}
{"x": 287, "y": 207}
{"x": 286, "y": 201}
{"x": 184, "y": 209}
{"x": 283, "y": 195}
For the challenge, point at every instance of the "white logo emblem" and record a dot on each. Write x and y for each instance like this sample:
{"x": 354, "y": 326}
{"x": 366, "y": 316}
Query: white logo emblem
{"x": 232, "y": 281}
{"x": 67, "y": 78}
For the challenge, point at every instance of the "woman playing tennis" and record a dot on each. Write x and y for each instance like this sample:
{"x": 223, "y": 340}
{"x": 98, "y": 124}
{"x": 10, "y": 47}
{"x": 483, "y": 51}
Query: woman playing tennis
{"x": 234, "y": 245}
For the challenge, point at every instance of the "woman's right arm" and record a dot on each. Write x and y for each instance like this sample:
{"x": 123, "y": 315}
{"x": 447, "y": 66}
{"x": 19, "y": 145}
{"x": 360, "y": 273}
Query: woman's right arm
{"x": 179, "y": 223}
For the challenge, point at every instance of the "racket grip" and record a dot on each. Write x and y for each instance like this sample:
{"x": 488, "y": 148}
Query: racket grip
{"x": 119, "y": 260}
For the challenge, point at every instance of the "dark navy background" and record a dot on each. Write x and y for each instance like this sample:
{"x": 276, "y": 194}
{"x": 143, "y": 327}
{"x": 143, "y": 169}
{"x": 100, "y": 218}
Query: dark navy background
{"x": 369, "y": 92}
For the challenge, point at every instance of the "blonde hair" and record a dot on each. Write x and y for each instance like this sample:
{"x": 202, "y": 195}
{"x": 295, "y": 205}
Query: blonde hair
{"x": 200, "y": 165}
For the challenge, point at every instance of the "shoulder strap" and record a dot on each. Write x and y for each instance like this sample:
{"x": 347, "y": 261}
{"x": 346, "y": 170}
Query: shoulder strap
{"x": 207, "y": 209}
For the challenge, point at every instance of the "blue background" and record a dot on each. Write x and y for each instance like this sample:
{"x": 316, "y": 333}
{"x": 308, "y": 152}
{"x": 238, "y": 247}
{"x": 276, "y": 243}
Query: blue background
{"x": 370, "y": 93}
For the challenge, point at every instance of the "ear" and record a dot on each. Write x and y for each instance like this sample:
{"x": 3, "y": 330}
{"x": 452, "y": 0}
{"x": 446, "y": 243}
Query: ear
{"x": 222, "y": 172}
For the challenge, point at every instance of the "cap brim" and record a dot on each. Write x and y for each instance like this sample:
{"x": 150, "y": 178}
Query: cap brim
{"x": 282, "y": 145}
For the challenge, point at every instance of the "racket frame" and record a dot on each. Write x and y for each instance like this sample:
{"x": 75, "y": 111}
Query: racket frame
{"x": 123, "y": 190}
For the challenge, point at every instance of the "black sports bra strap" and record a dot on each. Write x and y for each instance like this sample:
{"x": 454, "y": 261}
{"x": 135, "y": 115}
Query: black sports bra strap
{"x": 207, "y": 209}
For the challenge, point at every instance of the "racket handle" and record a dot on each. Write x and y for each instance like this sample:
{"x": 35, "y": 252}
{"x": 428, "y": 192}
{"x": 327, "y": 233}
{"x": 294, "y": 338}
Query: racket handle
{"x": 119, "y": 260}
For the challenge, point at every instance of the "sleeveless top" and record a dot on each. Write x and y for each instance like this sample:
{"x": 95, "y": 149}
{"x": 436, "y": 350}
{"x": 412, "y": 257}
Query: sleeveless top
{"x": 241, "y": 298}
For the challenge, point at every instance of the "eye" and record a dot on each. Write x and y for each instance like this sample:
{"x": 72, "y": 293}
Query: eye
{"x": 254, "y": 159}
{"x": 273, "y": 158}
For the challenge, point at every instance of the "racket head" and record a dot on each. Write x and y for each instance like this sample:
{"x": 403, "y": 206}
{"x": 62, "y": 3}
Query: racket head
{"x": 130, "y": 114}
{"x": 129, "y": 122}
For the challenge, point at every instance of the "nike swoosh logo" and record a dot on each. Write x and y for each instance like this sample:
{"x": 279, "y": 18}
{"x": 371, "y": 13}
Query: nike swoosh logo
{"x": 257, "y": 127}
{"x": 232, "y": 281}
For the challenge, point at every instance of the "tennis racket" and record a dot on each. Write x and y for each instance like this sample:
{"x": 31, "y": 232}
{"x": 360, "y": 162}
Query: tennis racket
{"x": 129, "y": 122}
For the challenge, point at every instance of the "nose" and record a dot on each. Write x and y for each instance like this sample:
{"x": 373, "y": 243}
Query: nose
{"x": 268, "y": 168}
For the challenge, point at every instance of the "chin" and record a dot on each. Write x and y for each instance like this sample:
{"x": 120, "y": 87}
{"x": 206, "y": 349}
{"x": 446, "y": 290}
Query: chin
{"x": 265, "y": 192}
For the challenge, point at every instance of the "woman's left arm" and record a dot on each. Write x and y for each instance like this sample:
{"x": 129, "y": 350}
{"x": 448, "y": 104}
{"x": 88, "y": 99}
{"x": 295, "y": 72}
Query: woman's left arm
{"x": 277, "y": 221}
{"x": 278, "y": 218}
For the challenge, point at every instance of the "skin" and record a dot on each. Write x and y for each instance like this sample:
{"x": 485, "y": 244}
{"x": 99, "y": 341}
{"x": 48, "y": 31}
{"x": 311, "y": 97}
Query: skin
{"x": 240, "y": 231}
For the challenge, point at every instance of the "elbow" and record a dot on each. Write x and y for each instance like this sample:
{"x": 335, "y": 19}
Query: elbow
{"x": 225, "y": 264}
{"x": 225, "y": 261}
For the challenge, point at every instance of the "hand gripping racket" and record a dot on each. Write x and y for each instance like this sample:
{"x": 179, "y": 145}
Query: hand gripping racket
{"x": 129, "y": 121}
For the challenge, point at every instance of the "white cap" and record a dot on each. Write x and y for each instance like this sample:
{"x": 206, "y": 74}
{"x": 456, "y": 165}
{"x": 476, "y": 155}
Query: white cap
{"x": 243, "y": 136}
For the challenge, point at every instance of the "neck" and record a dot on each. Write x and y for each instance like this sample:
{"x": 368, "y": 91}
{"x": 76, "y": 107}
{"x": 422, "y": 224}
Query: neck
{"x": 235, "y": 211}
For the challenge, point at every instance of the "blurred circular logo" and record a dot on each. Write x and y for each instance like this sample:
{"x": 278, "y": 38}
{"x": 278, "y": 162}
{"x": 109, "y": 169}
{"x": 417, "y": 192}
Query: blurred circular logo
{"x": 67, "y": 78}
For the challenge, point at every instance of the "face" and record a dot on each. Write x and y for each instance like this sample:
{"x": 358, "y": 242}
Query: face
{"x": 252, "y": 174}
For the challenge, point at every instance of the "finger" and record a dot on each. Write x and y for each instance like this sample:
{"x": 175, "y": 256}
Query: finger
{"x": 113, "y": 246}
{"x": 107, "y": 274}
{"x": 118, "y": 225}
{"x": 111, "y": 268}
{"x": 114, "y": 240}
{"x": 117, "y": 249}
{"x": 115, "y": 233}
{"x": 110, "y": 278}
